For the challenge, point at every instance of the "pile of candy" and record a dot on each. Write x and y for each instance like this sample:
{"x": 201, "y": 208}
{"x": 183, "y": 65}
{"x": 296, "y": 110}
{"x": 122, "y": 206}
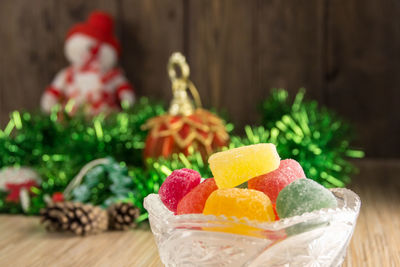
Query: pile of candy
{"x": 275, "y": 188}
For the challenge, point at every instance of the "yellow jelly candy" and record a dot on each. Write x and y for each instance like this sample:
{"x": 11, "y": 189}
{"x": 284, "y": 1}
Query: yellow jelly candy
{"x": 239, "y": 202}
{"x": 236, "y": 166}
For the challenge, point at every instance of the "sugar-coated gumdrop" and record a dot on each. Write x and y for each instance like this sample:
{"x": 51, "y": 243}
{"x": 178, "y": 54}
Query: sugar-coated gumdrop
{"x": 177, "y": 185}
{"x": 236, "y": 166}
{"x": 273, "y": 182}
{"x": 303, "y": 195}
{"x": 238, "y": 202}
{"x": 195, "y": 200}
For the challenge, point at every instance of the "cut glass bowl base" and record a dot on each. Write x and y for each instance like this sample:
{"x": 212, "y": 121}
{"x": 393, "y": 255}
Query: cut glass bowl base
{"x": 318, "y": 238}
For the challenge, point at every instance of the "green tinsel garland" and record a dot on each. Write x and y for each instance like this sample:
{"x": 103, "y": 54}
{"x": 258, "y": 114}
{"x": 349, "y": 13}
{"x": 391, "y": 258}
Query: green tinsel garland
{"x": 317, "y": 138}
{"x": 58, "y": 149}
{"x": 314, "y": 136}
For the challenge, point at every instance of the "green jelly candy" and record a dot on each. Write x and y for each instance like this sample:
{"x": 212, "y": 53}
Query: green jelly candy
{"x": 303, "y": 195}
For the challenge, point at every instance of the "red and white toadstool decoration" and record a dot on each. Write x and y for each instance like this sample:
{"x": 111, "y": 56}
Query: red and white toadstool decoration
{"x": 92, "y": 80}
{"x": 18, "y": 182}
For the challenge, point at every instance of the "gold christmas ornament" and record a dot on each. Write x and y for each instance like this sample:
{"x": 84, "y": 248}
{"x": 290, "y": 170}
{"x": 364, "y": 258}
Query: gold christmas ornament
{"x": 186, "y": 125}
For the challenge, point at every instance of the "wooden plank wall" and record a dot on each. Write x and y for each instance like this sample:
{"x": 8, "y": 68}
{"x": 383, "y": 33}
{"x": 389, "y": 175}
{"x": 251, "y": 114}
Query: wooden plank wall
{"x": 345, "y": 52}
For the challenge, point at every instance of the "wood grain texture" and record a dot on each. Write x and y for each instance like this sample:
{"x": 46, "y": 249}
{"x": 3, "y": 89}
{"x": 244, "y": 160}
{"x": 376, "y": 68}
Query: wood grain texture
{"x": 376, "y": 240}
{"x": 25, "y": 243}
{"x": 26, "y": 63}
{"x": 289, "y": 49}
{"x": 32, "y": 39}
{"x": 363, "y": 61}
{"x": 239, "y": 50}
{"x": 220, "y": 37}
{"x": 151, "y": 31}
{"x": 346, "y": 53}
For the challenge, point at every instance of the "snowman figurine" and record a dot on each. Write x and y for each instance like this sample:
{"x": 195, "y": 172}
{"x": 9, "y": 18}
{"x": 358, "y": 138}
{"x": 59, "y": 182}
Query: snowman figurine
{"x": 92, "y": 82}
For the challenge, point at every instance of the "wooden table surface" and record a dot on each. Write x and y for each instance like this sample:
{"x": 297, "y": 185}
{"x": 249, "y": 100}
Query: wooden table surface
{"x": 376, "y": 241}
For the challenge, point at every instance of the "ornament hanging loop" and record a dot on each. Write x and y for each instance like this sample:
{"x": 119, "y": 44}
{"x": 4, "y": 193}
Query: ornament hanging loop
{"x": 177, "y": 61}
{"x": 179, "y": 71}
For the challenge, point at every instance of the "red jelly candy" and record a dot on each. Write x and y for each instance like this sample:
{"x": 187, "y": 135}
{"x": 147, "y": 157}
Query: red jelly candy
{"x": 177, "y": 185}
{"x": 195, "y": 200}
{"x": 273, "y": 182}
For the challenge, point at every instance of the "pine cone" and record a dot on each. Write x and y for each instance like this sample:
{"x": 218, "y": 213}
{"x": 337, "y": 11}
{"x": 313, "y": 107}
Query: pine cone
{"x": 122, "y": 216}
{"x": 78, "y": 218}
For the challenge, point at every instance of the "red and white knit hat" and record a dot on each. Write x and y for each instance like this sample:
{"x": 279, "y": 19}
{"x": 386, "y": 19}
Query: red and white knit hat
{"x": 100, "y": 26}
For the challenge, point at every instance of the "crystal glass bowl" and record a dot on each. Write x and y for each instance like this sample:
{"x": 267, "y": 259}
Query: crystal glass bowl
{"x": 317, "y": 238}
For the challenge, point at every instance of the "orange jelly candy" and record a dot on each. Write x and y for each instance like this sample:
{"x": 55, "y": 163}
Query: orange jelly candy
{"x": 238, "y": 202}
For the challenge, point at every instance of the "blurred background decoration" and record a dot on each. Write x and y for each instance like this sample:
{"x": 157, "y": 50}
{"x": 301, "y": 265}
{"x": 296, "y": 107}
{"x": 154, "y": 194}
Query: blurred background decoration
{"x": 346, "y": 53}
{"x": 238, "y": 52}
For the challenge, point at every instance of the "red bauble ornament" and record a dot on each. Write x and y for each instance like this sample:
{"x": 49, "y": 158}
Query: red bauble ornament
{"x": 184, "y": 127}
{"x": 202, "y": 130}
